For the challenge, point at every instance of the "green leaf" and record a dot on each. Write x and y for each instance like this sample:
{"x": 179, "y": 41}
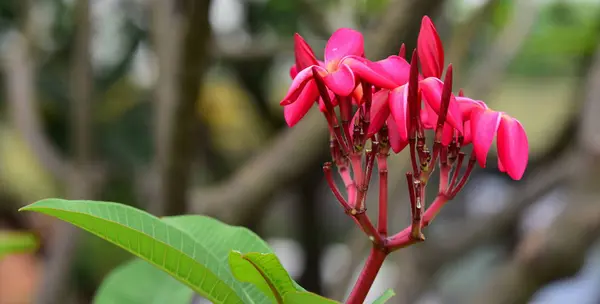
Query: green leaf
{"x": 138, "y": 282}
{"x": 15, "y": 242}
{"x": 388, "y": 294}
{"x": 305, "y": 297}
{"x": 129, "y": 283}
{"x": 195, "y": 259}
{"x": 263, "y": 270}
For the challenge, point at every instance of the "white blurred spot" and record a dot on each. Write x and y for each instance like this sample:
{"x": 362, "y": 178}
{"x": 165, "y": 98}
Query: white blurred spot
{"x": 335, "y": 258}
{"x": 226, "y": 16}
{"x": 541, "y": 214}
{"x": 291, "y": 255}
{"x": 488, "y": 195}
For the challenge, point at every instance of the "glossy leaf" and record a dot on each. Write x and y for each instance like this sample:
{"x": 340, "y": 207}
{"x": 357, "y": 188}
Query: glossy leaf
{"x": 193, "y": 255}
{"x": 138, "y": 282}
{"x": 263, "y": 270}
{"x": 305, "y": 297}
{"x": 16, "y": 242}
{"x": 129, "y": 283}
{"x": 388, "y": 294}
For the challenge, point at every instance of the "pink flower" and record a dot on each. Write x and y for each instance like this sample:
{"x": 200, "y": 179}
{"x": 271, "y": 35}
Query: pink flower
{"x": 432, "y": 93}
{"x": 337, "y": 76}
{"x": 513, "y": 146}
{"x": 379, "y": 113}
{"x": 430, "y": 49}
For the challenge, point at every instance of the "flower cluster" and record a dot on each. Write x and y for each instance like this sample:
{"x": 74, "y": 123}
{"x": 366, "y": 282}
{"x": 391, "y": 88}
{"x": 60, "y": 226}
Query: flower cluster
{"x": 346, "y": 78}
{"x": 372, "y": 107}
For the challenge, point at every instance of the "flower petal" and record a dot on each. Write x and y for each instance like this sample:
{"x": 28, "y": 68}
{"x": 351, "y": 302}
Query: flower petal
{"x": 501, "y": 166}
{"x": 357, "y": 95}
{"x": 334, "y": 101}
{"x": 341, "y": 81}
{"x": 380, "y": 111}
{"x": 297, "y": 86}
{"x": 484, "y": 124}
{"x": 513, "y": 147}
{"x": 467, "y": 105}
{"x": 432, "y": 93}
{"x": 428, "y": 117}
{"x": 396, "y": 67}
{"x": 344, "y": 42}
{"x": 293, "y": 71}
{"x": 430, "y": 50}
{"x": 295, "y": 111}
{"x": 399, "y": 109}
{"x": 369, "y": 72}
{"x": 467, "y": 134}
{"x": 447, "y": 134}
{"x": 396, "y": 142}
{"x": 305, "y": 56}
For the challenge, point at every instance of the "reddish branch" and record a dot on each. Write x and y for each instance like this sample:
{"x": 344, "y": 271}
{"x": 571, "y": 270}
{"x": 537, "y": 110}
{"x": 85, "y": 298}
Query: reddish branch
{"x": 348, "y": 152}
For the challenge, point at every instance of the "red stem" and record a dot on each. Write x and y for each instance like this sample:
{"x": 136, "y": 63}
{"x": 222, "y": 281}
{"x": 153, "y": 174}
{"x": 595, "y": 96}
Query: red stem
{"x": 404, "y": 238}
{"x": 345, "y": 113}
{"x": 330, "y": 114}
{"x": 401, "y": 240}
{"x": 465, "y": 177}
{"x": 367, "y": 276}
{"x": 357, "y": 169}
{"x": 349, "y": 183}
{"x": 334, "y": 188}
{"x": 434, "y": 209}
{"x": 382, "y": 223}
{"x": 456, "y": 171}
{"x": 366, "y": 225}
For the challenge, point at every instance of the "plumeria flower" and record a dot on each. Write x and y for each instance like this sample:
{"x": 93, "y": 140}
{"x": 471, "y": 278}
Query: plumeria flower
{"x": 337, "y": 76}
{"x": 430, "y": 50}
{"x": 344, "y": 61}
{"x": 481, "y": 125}
{"x": 431, "y": 56}
{"x": 511, "y": 139}
{"x": 392, "y": 103}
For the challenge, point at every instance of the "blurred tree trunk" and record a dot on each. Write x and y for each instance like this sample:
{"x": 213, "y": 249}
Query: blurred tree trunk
{"x": 311, "y": 230}
{"x": 56, "y": 280}
{"x": 181, "y": 35}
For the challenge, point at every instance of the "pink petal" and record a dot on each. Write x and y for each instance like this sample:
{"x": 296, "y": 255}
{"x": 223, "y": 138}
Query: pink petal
{"x": 293, "y": 71}
{"x": 467, "y": 135}
{"x": 295, "y": 111}
{"x": 402, "y": 52}
{"x": 513, "y": 147}
{"x": 399, "y": 109}
{"x": 432, "y": 93}
{"x": 357, "y": 95}
{"x": 344, "y": 42}
{"x": 430, "y": 50}
{"x": 467, "y": 105}
{"x": 428, "y": 117}
{"x": 297, "y": 86}
{"x": 501, "y": 166}
{"x": 396, "y": 67}
{"x": 341, "y": 82}
{"x": 370, "y": 72}
{"x": 305, "y": 56}
{"x": 380, "y": 111}
{"x": 396, "y": 142}
{"x": 484, "y": 124}
{"x": 447, "y": 134}
{"x": 334, "y": 101}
